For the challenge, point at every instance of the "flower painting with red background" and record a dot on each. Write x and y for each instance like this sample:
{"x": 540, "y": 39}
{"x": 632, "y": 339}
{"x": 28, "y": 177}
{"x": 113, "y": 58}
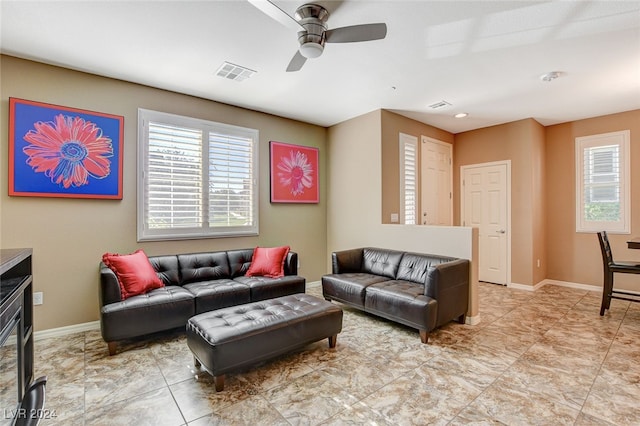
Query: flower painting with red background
{"x": 294, "y": 173}
{"x": 57, "y": 151}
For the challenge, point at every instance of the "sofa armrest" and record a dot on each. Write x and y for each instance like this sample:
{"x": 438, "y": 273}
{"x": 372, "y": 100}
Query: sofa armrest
{"x": 347, "y": 261}
{"x": 448, "y": 284}
{"x": 291, "y": 263}
{"x": 109, "y": 286}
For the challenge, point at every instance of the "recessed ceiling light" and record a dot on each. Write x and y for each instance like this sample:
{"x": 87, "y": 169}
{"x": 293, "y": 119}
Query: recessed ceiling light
{"x": 461, "y": 115}
{"x": 550, "y": 76}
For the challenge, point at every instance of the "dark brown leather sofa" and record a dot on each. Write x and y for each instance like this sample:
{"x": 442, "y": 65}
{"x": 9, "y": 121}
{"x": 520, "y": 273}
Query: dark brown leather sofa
{"x": 193, "y": 283}
{"x": 421, "y": 291}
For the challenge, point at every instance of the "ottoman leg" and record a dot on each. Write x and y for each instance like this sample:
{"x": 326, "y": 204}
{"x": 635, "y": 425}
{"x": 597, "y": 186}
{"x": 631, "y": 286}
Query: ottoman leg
{"x": 219, "y": 382}
{"x": 333, "y": 340}
{"x": 196, "y": 363}
{"x": 424, "y": 336}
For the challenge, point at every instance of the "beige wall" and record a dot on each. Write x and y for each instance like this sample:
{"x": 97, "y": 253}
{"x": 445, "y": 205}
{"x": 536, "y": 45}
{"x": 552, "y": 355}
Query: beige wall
{"x": 538, "y": 204}
{"x": 521, "y": 142}
{"x": 69, "y": 236}
{"x": 354, "y": 180}
{"x": 392, "y": 125}
{"x": 355, "y": 149}
{"x": 575, "y": 257}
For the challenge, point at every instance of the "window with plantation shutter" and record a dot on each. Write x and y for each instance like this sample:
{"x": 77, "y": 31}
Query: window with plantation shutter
{"x": 603, "y": 183}
{"x": 198, "y": 179}
{"x": 408, "y": 179}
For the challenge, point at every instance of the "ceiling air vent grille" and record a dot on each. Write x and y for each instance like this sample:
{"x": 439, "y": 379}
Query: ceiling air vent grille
{"x": 440, "y": 105}
{"x": 234, "y": 72}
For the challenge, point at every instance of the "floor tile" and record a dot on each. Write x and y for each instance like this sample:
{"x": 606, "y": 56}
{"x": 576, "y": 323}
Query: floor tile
{"x": 536, "y": 358}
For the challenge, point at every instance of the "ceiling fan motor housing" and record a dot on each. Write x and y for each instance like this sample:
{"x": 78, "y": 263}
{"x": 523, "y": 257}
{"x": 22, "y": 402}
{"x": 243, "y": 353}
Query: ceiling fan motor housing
{"x": 313, "y": 19}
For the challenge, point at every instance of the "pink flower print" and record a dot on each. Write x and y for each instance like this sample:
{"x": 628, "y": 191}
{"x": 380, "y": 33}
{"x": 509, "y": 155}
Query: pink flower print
{"x": 295, "y": 172}
{"x": 68, "y": 151}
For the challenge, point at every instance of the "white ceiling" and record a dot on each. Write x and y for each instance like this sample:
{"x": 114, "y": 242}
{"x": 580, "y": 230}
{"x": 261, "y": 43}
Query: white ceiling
{"x": 483, "y": 57}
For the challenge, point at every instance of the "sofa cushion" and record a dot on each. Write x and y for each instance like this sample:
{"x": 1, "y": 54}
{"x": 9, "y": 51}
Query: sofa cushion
{"x": 167, "y": 268}
{"x": 402, "y": 301}
{"x": 381, "y": 262}
{"x": 413, "y": 267}
{"x": 160, "y": 309}
{"x": 217, "y": 294}
{"x": 349, "y": 287}
{"x": 239, "y": 261}
{"x": 263, "y": 288}
{"x": 203, "y": 266}
{"x": 134, "y": 271}
{"x": 268, "y": 262}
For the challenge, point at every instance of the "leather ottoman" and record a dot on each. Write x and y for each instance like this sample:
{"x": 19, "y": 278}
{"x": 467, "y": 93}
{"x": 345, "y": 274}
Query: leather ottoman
{"x": 232, "y": 338}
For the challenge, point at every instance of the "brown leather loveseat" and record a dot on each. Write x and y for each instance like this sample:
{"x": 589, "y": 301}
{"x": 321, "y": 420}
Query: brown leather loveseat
{"x": 422, "y": 291}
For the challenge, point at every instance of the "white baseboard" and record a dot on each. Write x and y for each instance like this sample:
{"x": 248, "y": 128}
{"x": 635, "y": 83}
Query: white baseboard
{"x": 544, "y": 282}
{"x": 314, "y": 284}
{"x": 474, "y": 320}
{"x": 525, "y": 287}
{"x": 58, "y": 332}
{"x": 69, "y": 329}
{"x": 572, "y": 285}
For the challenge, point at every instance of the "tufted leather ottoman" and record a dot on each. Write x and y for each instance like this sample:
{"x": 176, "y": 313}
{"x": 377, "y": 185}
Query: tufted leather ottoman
{"x": 231, "y": 338}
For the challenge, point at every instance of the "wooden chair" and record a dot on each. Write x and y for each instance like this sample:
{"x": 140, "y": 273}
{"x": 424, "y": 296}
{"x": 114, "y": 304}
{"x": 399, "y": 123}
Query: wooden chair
{"x": 610, "y": 267}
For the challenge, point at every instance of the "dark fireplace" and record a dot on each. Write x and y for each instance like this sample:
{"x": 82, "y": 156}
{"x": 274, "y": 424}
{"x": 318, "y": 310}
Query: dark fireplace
{"x": 9, "y": 372}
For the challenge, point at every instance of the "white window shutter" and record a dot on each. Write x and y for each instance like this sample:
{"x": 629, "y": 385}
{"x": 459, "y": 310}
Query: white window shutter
{"x": 408, "y": 179}
{"x": 603, "y": 183}
{"x": 174, "y": 184}
{"x": 198, "y": 179}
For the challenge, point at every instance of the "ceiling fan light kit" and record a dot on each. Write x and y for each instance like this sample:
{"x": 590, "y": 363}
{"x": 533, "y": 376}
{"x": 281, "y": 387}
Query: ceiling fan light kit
{"x": 311, "y": 50}
{"x": 313, "y": 33}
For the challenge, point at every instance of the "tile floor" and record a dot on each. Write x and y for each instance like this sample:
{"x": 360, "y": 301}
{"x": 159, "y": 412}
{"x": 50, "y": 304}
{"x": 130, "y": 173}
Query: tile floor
{"x": 541, "y": 358}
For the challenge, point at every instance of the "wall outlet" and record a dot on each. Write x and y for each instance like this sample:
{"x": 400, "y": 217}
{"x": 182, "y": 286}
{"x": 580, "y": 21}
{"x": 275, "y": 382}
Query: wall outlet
{"x": 395, "y": 218}
{"x": 38, "y": 298}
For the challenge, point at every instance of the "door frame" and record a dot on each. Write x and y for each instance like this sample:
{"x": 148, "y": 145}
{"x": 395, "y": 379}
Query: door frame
{"x": 506, "y": 163}
{"x": 448, "y": 146}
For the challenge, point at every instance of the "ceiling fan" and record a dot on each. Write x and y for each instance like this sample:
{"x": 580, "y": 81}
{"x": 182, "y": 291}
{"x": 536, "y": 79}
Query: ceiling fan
{"x": 310, "y": 22}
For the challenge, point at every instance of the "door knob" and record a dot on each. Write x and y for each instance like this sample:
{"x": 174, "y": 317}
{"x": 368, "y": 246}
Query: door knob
{"x": 502, "y": 231}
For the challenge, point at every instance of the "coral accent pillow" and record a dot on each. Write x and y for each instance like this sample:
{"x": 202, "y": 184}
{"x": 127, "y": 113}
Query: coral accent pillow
{"x": 268, "y": 262}
{"x": 134, "y": 271}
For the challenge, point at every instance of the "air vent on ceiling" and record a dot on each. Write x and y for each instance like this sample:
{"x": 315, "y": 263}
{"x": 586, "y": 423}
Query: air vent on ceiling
{"x": 439, "y": 105}
{"x": 234, "y": 72}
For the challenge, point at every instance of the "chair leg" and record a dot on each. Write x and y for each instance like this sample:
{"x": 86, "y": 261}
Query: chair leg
{"x": 607, "y": 287}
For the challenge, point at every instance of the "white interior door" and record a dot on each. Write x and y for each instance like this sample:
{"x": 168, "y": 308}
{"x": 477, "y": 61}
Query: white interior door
{"x": 485, "y": 190}
{"x": 435, "y": 183}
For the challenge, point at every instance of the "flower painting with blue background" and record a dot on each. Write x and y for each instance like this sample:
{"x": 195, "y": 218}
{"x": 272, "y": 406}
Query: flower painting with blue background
{"x": 57, "y": 151}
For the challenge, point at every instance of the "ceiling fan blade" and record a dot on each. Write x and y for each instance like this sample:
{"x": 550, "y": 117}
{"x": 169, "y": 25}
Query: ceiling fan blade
{"x": 296, "y": 62}
{"x": 364, "y": 32}
{"x": 275, "y": 13}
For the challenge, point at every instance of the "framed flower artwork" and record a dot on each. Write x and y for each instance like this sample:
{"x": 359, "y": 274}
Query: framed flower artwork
{"x": 57, "y": 151}
{"x": 294, "y": 173}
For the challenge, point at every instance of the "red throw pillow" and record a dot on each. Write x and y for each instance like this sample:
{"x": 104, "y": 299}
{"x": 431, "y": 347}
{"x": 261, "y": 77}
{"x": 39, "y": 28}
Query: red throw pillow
{"x": 268, "y": 262}
{"x": 134, "y": 271}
